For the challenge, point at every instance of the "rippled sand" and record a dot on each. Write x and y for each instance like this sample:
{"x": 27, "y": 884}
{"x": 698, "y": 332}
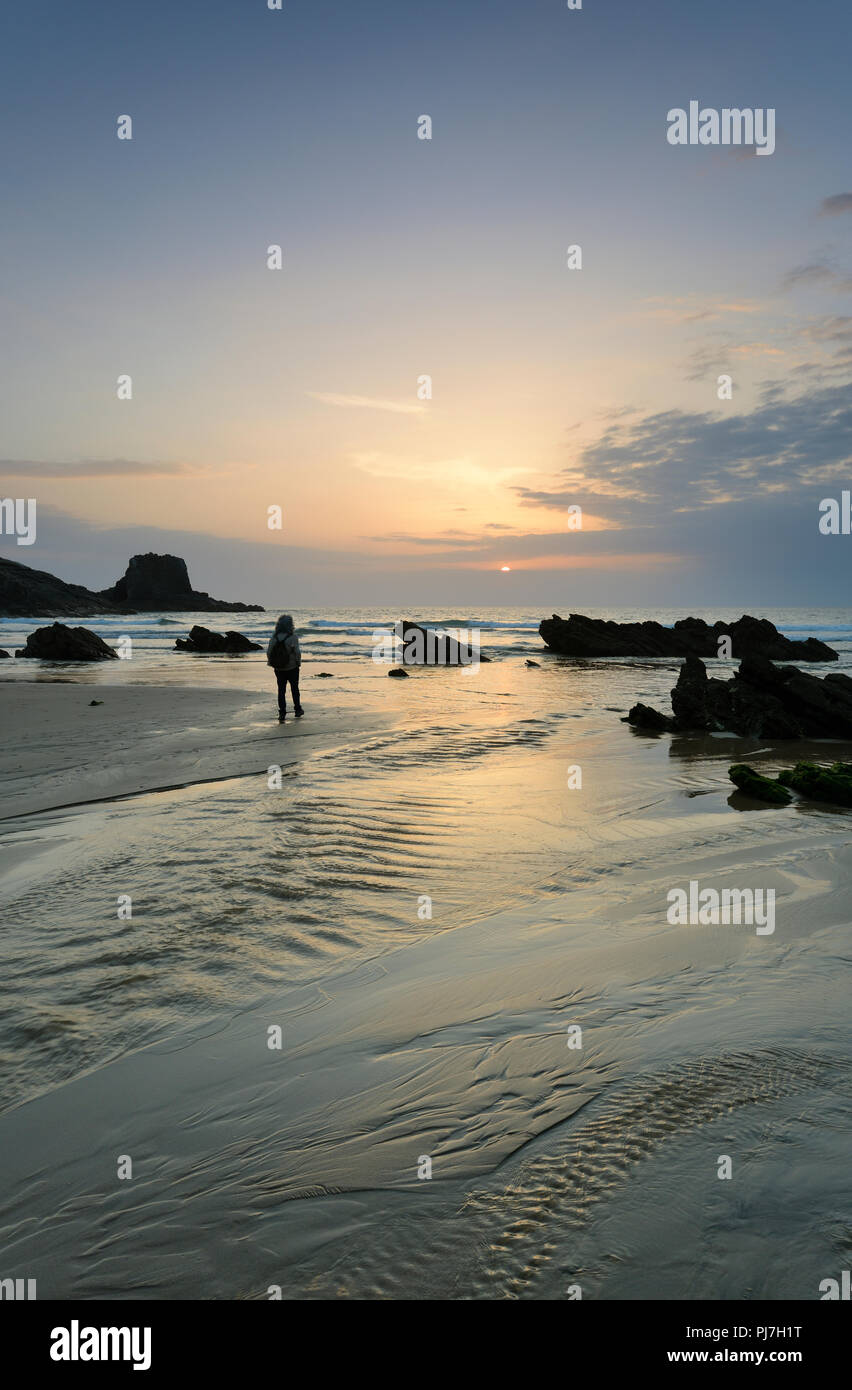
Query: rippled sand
{"x": 406, "y": 1037}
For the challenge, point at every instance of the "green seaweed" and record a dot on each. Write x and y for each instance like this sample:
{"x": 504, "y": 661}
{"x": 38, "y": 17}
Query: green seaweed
{"x": 832, "y": 784}
{"x": 756, "y": 785}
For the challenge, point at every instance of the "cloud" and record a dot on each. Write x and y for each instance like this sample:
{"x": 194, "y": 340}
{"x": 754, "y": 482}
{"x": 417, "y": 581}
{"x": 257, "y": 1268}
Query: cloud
{"x": 820, "y": 276}
{"x": 462, "y": 472}
{"x": 91, "y": 468}
{"x": 695, "y": 308}
{"x": 366, "y": 403}
{"x": 838, "y": 203}
{"x": 662, "y": 465}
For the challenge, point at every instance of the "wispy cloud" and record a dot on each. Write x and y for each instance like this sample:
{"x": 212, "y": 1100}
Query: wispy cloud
{"x": 463, "y": 471}
{"x": 819, "y": 276}
{"x": 92, "y": 468}
{"x": 366, "y": 403}
{"x": 836, "y": 204}
{"x": 695, "y": 308}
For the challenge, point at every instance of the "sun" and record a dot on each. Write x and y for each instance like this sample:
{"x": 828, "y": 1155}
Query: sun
{"x": 505, "y": 569}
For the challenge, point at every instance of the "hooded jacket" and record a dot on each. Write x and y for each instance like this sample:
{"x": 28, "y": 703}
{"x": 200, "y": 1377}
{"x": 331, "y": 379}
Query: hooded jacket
{"x": 284, "y": 652}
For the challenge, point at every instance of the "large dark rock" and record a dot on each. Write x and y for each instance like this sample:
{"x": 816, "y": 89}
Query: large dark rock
{"x": 591, "y": 637}
{"x": 61, "y": 643}
{"x": 203, "y": 641}
{"x": 153, "y": 583}
{"x": 689, "y": 697}
{"x": 759, "y": 701}
{"x": 29, "y": 593}
{"x": 3, "y": 653}
{"x": 433, "y": 647}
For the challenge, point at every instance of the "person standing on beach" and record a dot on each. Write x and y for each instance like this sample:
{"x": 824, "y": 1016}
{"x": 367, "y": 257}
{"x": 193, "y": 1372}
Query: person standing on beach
{"x": 285, "y": 656}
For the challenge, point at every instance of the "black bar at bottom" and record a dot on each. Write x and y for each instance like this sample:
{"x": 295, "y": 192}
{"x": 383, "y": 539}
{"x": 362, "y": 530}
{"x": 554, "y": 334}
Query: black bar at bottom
{"x": 256, "y": 1338}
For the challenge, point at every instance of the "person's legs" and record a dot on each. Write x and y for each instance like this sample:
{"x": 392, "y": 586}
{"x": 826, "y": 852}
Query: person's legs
{"x": 294, "y": 686}
{"x": 281, "y": 678}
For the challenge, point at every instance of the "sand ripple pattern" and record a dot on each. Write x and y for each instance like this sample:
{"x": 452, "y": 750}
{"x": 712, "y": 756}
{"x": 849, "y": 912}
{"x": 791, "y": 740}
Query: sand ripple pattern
{"x": 555, "y": 1195}
{"x": 505, "y": 1238}
{"x": 238, "y": 888}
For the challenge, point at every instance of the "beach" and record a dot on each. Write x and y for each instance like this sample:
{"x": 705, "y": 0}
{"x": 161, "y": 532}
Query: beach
{"x": 501, "y": 1071}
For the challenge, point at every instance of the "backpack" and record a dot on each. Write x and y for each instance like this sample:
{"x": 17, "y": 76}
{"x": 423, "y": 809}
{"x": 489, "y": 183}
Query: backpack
{"x": 283, "y": 655}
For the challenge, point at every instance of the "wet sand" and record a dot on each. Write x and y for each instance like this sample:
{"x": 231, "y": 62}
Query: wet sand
{"x": 60, "y": 750}
{"x": 303, "y": 1167}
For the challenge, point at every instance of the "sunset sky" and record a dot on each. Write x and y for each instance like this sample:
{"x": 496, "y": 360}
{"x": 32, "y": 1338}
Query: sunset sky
{"x": 404, "y": 257}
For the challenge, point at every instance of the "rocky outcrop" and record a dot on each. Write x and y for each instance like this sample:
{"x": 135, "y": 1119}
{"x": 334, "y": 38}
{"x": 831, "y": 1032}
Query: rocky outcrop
{"x": 590, "y": 637}
{"x": 759, "y": 701}
{"x": 153, "y": 583}
{"x": 204, "y": 642}
{"x": 28, "y": 593}
{"x": 61, "y": 643}
{"x": 3, "y": 653}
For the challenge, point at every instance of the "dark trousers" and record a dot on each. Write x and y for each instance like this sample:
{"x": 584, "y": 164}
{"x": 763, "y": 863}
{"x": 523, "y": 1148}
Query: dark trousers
{"x": 285, "y": 678}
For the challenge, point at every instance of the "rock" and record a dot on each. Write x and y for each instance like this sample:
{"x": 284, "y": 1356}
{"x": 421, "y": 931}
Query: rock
{"x": 95, "y": 702}
{"x": 29, "y": 593}
{"x": 644, "y": 717}
{"x": 151, "y": 582}
{"x": 760, "y": 701}
{"x": 689, "y": 697}
{"x": 398, "y": 672}
{"x": 61, "y": 643}
{"x": 537, "y": 664}
{"x": 155, "y": 582}
{"x": 3, "y": 653}
{"x": 833, "y": 784}
{"x": 434, "y": 647}
{"x": 322, "y": 675}
{"x": 595, "y": 637}
{"x": 204, "y": 642}
{"x": 757, "y": 786}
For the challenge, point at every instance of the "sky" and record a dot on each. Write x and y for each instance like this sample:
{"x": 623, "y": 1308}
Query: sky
{"x": 257, "y": 388}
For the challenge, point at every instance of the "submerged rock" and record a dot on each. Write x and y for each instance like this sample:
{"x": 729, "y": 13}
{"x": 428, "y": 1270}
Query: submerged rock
{"x": 204, "y": 642}
{"x": 588, "y": 637}
{"x": 759, "y": 701}
{"x": 399, "y": 673}
{"x": 761, "y": 788}
{"x": 61, "y": 643}
{"x": 537, "y": 664}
